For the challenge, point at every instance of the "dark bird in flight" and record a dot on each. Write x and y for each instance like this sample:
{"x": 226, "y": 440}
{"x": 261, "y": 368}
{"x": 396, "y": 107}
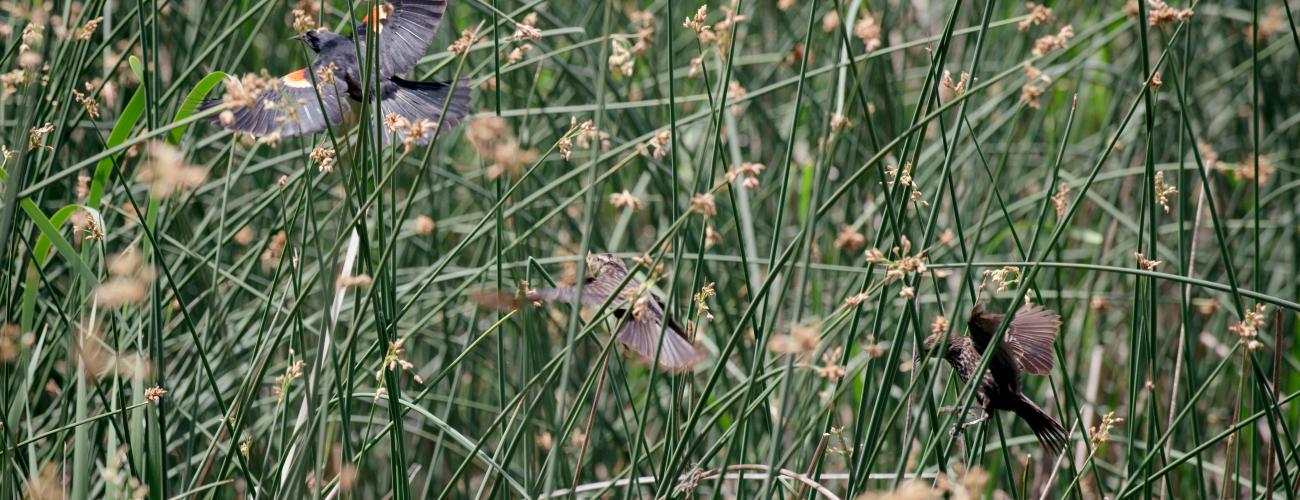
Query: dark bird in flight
{"x": 641, "y": 330}
{"x": 1026, "y": 347}
{"x": 404, "y": 29}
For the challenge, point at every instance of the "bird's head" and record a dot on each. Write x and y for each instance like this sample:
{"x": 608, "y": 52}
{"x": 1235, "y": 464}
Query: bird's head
{"x": 603, "y": 263}
{"x": 318, "y": 40}
{"x": 928, "y": 346}
{"x": 983, "y": 320}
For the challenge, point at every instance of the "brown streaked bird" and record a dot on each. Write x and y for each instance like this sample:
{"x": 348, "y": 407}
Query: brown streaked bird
{"x": 641, "y": 330}
{"x": 404, "y": 29}
{"x": 1026, "y": 347}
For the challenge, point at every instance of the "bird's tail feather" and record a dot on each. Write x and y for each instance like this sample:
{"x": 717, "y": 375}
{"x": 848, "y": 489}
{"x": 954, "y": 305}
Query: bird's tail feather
{"x": 417, "y": 101}
{"x": 1047, "y": 429}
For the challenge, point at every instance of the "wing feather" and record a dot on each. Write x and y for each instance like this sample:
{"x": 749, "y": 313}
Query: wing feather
{"x": 290, "y": 110}
{"x": 594, "y": 293}
{"x": 643, "y": 336}
{"x": 1030, "y": 337}
{"x": 404, "y": 33}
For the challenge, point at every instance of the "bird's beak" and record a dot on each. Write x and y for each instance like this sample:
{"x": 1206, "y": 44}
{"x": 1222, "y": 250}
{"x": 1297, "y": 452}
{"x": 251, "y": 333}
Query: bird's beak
{"x": 297, "y": 37}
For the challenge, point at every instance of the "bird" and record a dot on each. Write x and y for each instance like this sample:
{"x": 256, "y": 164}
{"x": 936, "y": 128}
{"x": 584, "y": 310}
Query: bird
{"x": 1026, "y": 347}
{"x": 642, "y": 330}
{"x": 404, "y": 30}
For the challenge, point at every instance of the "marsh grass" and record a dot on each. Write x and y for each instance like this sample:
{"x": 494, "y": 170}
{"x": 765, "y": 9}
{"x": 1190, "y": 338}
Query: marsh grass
{"x": 189, "y": 313}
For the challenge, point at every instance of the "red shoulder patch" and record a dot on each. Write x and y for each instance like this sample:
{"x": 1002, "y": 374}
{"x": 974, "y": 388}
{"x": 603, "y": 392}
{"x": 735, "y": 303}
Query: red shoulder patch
{"x": 380, "y": 12}
{"x": 297, "y": 79}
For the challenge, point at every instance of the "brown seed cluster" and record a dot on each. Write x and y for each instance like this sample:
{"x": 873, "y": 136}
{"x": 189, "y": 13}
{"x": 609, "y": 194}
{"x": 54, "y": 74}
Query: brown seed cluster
{"x": 621, "y": 61}
{"x": 245, "y": 92}
{"x": 154, "y": 394}
{"x": 394, "y": 361}
{"x": 9, "y": 82}
{"x": 1059, "y": 200}
{"x": 1047, "y": 43}
{"x": 410, "y": 132}
{"x": 424, "y": 225}
{"x": 12, "y": 342}
{"x": 128, "y": 282}
{"x": 747, "y": 173}
{"x": 868, "y": 30}
{"x": 625, "y": 199}
{"x": 1005, "y": 277}
{"x": 658, "y": 146}
{"x": 1248, "y": 327}
{"x": 1146, "y": 263}
{"x": 324, "y": 158}
{"x": 711, "y": 237}
{"x": 167, "y": 172}
{"x": 1160, "y": 13}
{"x": 704, "y": 205}
{"x": 1038, "y": 14}
{"x": 830, "y": 368}
{"x": 1031, "y": 91}
{"x": 801, "y": 339}
{"x": 468, "y": 39}
{"x": 28, "y": 57}
{"x": 36, "y": 137}
{"x": 736, "y": 95}
{"x": 274, "y": 251}
{"x": 87, "y": 101}
{"x": 496, "y": 143}
{"x": 849, "y": 239}
{"x": 1163, "y": 191}
{"x": 1099, "y": 435}
{"x": 525, "y": 31}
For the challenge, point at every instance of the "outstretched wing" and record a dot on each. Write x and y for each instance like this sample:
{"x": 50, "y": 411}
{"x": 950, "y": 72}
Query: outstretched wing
{"x": 1030, "y": 337}
{"x": 594, "y": 291}
{"x": 290, "y": 110}
{"x": 404, "y": 28}
{"x": 643, "y": 336}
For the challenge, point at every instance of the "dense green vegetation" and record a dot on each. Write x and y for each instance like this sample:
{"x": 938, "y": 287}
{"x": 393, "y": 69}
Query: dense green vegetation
{"x": 812, "y": 186}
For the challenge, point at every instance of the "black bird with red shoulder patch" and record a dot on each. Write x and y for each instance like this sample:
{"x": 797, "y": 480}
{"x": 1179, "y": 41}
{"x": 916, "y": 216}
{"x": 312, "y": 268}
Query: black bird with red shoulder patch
{"x": 1026, "y": 347}
{"x": 404, "y": 29}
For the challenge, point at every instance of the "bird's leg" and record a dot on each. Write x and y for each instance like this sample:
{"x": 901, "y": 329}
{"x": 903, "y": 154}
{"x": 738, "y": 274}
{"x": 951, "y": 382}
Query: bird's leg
{"x": 984, "y": 418}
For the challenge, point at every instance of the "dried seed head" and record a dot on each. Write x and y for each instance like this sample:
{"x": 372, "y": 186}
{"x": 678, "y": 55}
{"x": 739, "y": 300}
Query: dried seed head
{"x": 168, "y": 173}
{"x": 868, "y": 30}
{"x": 1038, "y": 14}
{"x": 621, "y": 61}
{"x": 154, "y": 394}
{"x": 1046, "y": 44}
{"x": 849, "y": 239}
{"x": 303, "y": 21}
{"x": 1146, "y": 263}
{"x": 324, "y": 158}
{"x": 424, "y": 225}
{"x": 704, "y": 205}
{"x": 468, "y": 38}
{"x": 831, "y": 21}
{"x": 36, "y": 137}
{"x": 526, "y": 32}
{"x": 711, "y": 237}
{"x": 1160, "y": 13}
{"x": 1059, "y": 200}
{"x": 625, "y": 199}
